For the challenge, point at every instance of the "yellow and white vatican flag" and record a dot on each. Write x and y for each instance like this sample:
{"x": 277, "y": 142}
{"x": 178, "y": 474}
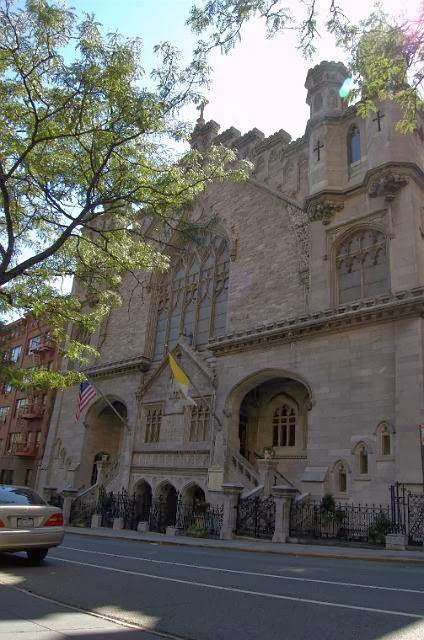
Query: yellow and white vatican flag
{"x": 181, "y": 380}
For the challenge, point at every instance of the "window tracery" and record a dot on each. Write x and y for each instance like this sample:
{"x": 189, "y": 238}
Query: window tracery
{"x": 153, "y": 421}
{"x": 284, "y": 426}
{"x": 361, "y": 265}
{"x": 192, "y": 299}
{"x": 200, "y": 420}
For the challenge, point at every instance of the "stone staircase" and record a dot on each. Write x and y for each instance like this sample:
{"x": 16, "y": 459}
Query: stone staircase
{"x": 258, "y": 479}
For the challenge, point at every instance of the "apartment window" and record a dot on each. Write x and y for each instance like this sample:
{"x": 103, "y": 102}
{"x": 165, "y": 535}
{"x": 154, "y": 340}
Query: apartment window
{"x": 20, "y": 404}
{"x": 16, "y": 354}
{"x": 4, "y": 412}
{"x": 6, "y": 476}
{"x": 28, "y": 477}
{"x": 34, "y": 343}
{"x": 15, "y": 437}
{"x": 37, "y": 439}
{"x": 7, "y": 388}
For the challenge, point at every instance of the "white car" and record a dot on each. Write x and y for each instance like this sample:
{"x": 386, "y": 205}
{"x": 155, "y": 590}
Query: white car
{"x": 28, "y": 523}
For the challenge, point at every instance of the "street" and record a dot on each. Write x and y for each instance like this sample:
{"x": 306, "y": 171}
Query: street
{"x": 210, "y": 594}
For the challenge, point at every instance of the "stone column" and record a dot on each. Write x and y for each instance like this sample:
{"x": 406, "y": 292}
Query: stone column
{"x": 69, "y": 496}
{"x": 283, "y": 495}
{"x": 267, "y": 469}
{"x": 118, "y": 523}
{"x": 231, "y": 495}
{"x": 96, "y": 521}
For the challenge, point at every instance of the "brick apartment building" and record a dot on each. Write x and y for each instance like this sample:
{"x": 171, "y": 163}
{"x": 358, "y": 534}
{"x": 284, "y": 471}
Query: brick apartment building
{"x": 24, "y": 416}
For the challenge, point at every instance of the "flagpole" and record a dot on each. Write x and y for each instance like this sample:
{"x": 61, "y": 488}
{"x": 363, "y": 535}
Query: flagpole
{"x": 108, "y": 403}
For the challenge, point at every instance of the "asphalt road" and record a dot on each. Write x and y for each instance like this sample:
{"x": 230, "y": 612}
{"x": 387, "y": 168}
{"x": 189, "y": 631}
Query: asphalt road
{"x": 208, "y": 594}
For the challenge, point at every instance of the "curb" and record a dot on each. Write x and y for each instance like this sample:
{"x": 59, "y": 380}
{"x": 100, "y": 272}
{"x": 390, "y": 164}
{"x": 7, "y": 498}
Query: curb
{"x": 305, "y": 553}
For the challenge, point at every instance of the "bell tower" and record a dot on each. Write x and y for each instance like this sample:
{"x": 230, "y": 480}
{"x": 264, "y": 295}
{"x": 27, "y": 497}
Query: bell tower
{"x": 323, "y": 83}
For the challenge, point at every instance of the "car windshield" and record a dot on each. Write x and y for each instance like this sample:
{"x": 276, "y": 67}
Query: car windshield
{"x": 20, "y": 496}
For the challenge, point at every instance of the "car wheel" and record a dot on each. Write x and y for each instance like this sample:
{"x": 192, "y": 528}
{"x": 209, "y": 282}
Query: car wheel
{"x": 37, "y": 555}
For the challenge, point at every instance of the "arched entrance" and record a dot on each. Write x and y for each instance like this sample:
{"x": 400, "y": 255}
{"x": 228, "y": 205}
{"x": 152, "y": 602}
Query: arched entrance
{"x": 103, "y": 437}
{"x": 270, "y": 421}
{"x": 193, "y": 495}
{"x": 163, "y": 513}
{"x": 143, "y": 501}
{"x": 191, "y": 508}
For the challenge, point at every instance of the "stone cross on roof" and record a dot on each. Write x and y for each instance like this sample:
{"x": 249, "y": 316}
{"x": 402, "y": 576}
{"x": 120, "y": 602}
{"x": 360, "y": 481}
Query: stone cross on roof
{"x": 201, "y": 108}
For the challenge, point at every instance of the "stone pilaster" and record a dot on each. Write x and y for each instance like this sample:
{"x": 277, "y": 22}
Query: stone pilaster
{"x": 283, "y": 495}
{"x": 69, "y": 496}
{"x": 231, "y": 495}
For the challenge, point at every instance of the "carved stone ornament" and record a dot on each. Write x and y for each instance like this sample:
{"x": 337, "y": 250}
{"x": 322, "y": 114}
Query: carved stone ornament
{"x": 387, "y": 184}
{"x": 324, "y": 210}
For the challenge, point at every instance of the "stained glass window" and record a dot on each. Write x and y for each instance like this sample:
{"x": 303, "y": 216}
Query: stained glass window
{"x": 192, "y": 297}
{"x": 361, "y": 264}
{"x": 354, "y": 145}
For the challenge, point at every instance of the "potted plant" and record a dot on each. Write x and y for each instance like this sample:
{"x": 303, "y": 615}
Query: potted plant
{"x": 331, "y": 517}
{"x": 268, "y": 453}
{"x": 379, "y": 528}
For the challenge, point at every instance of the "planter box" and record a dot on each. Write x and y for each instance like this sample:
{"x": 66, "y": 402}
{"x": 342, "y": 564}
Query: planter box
{"x": 396, "y": 541}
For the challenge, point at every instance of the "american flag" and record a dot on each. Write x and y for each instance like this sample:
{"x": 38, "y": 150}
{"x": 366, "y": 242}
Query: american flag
{"x": 86, "y": 393}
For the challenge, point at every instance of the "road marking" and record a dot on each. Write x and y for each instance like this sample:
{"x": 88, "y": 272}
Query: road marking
{"x": 94, "y": 614}
{"x": 247, "y": 573}
{"x": 249, "y": 592}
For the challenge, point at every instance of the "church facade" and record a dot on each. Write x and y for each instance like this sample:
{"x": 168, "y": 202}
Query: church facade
{"x": 299, "y": 322}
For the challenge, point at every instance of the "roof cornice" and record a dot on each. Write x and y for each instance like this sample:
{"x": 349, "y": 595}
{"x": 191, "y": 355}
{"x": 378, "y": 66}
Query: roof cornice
{"x": 383, "y": 308}
{"x": 119, "y": 367}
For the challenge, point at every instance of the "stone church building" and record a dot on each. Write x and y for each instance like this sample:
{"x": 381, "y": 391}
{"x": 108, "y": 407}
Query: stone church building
{"x": 299, "y": 323}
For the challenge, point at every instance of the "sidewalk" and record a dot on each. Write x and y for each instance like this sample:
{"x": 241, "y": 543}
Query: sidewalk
{"x": 259, "y": 546}
{"x": 31, "y": 617}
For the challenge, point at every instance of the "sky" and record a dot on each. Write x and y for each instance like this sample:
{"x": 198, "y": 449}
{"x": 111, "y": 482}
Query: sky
{"x": 260, "y": 83}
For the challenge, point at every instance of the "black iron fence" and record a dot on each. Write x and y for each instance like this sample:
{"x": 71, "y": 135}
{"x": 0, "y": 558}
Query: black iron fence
{"x": 256, "y": 517}
{"x": 82, "y": 510}
{"x": 200, "y": 521}
{"x": 345, "y": 522}
{"x": 56, "y": 500}
{"x": 191, "y": 519}
{"x": 407, "y": 513}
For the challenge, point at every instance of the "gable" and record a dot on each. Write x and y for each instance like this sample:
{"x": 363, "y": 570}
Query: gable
{"x": 159, "y": 387}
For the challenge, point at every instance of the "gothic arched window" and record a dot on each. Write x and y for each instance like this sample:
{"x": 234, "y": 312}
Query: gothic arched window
{"x": 340, "y": 477}
{"x": 354, "y": 145}
{"x": 361, "y": 264}
{"x": 362, "y": 454}
{"x": 284, "y": 426}
{"x": 384, "y": 440}
{"x": 193, "y": 297}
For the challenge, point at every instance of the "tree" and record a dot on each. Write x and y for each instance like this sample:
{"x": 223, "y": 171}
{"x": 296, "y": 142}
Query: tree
{"x": 87, "y": 172}
{"x": 386, "y": 58}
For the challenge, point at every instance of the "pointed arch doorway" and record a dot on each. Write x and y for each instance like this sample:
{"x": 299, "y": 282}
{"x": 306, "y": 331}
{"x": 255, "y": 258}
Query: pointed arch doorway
{"x": 163, "y": 513}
